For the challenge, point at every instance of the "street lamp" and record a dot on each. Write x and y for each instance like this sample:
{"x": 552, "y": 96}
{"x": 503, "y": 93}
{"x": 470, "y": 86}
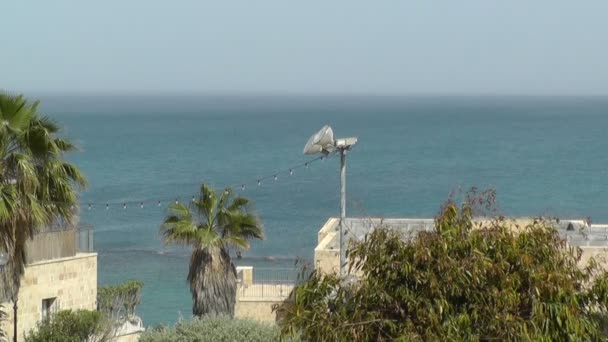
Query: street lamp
{"x": 323, "y": 142}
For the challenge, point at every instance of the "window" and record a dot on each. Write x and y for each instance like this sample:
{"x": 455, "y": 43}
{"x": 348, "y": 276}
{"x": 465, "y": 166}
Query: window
{"x": 48, "y": 307}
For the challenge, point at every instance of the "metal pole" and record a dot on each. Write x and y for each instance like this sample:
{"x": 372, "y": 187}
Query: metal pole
{"x": 15, "y": 319}
{"x": 342, "y": 206}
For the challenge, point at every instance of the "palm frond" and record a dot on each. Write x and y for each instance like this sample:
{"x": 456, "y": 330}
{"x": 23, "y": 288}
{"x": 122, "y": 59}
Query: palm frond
{"x": 180, "y": 211}
{"x": 209, "y": 203}
{"x": 238, "y": 241}
{"x": 179, "y": 231}
{"x": 244, "y": 225}
{"x": 239, "y": 203}
{"x": 208, "y": 238}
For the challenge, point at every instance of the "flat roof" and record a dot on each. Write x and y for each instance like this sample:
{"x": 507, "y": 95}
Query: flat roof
{"x": 580, "y": 234}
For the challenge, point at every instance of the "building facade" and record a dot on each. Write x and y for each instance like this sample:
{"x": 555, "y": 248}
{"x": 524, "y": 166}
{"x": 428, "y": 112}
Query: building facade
{"x": 61, "y": 274}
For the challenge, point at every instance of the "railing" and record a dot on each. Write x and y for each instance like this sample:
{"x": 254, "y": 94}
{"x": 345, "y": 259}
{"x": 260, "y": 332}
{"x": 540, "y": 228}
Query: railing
{"x": 266, "y": 282}
{"x": 85, "y": 242}
{"x": 57, "y": 243}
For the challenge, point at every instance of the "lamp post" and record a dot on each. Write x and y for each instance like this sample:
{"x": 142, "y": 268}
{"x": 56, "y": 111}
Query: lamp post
{"x": 324, "y": 142}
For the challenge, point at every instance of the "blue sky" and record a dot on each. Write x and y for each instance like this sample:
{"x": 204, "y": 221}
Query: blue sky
{"x": 547, "y": 47}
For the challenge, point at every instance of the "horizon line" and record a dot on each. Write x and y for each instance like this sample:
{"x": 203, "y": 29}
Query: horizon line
{"x": 293, "y": 94}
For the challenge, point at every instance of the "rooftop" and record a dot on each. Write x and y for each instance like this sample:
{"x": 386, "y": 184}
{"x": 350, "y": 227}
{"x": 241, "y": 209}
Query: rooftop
{"x": 577, "y": 232}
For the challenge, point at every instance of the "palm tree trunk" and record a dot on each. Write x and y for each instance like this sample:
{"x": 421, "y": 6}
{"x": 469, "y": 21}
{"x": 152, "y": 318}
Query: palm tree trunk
{"x": 212, "y": 278}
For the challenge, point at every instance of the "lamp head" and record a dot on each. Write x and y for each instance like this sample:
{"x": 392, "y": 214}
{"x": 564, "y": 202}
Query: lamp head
{"x": 321, "y": 142}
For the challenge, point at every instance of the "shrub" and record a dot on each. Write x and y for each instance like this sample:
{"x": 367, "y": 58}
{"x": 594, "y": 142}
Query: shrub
{"x": 68, "y": 326}
{"x": 215, "y": 329}
{"x": 119, "y": 302}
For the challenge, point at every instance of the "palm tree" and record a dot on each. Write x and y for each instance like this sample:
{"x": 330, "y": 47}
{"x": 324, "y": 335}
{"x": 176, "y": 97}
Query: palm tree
{"x": 37, "y": 186}
{"x": 2, "y": 318}
{"x": 211, "y": 225}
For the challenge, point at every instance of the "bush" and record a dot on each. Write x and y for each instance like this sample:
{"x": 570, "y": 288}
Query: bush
{"x": 119, "y": 302}
{"x": 68, "y": 326}
{"x": 214, "y": 329}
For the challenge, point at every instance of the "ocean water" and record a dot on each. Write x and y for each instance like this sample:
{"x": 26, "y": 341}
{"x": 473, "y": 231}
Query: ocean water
{"x": 543, "y": 155}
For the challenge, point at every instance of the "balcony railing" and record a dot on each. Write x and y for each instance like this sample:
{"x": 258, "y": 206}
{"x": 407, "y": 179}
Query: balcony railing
{"x": 85, "y": 242}
{"x": 57, "y": 243}
{"x": 266, "y": 282}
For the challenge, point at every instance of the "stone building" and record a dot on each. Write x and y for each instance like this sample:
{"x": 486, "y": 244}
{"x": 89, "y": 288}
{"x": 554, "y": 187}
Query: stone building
{"x": 592, "y": 239}
{"x": 61, "y": 274}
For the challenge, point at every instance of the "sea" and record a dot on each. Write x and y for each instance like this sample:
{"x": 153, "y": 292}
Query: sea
{"x": 542, "y": 155}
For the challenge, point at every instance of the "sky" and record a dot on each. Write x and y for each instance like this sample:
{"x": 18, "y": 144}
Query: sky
{"x": 538, "y": 47}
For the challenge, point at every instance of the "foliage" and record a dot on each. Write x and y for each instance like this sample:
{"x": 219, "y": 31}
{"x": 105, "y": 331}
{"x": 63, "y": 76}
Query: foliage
{"x": 37, "y": 186}
{"x": 212, "y": 224}
{"x": 68, "y": 326}
{"x": 119, "y": 302}
{"x": 215, "y": 329}
{"x": 473, "y": 280}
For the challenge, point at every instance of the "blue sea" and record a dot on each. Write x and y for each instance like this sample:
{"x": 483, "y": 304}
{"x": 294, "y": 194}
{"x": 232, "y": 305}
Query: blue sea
{"x": 543, "y": 155}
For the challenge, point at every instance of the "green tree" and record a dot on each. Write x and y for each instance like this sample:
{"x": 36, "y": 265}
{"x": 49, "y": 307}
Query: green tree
{"x": 468, "y": 280}
{"x": 69, "y": 326}
{"x": 211, "y": 225}
{"x": 119, "y": 302}
{"x": 37, "y": 186}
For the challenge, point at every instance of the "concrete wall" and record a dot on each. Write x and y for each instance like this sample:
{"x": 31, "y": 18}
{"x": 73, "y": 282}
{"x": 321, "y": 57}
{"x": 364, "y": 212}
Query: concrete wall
{"x": 327, "y": 261}
{"x": 258, "y": 309}
{"x": 72, "y": 281}
{"x": 327, "y": 258}
{"x": 600, "y": 254}
{"x": 132, "y": 337}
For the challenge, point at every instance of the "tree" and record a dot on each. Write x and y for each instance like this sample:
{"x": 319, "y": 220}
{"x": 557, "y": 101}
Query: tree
{"x": 473, "y": 280}
{"x": 37, "y": 186}
{"x": 3, "y": 315}
{"x": 119, "y": 302}
{"x": 211, "y": 225}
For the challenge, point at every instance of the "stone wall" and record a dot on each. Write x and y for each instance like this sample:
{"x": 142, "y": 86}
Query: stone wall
{"x": 131, "y": 337}
{"x": 258, "y": 309}
{"x": 600, "y": 254}
{"x": 71, "y": 281}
